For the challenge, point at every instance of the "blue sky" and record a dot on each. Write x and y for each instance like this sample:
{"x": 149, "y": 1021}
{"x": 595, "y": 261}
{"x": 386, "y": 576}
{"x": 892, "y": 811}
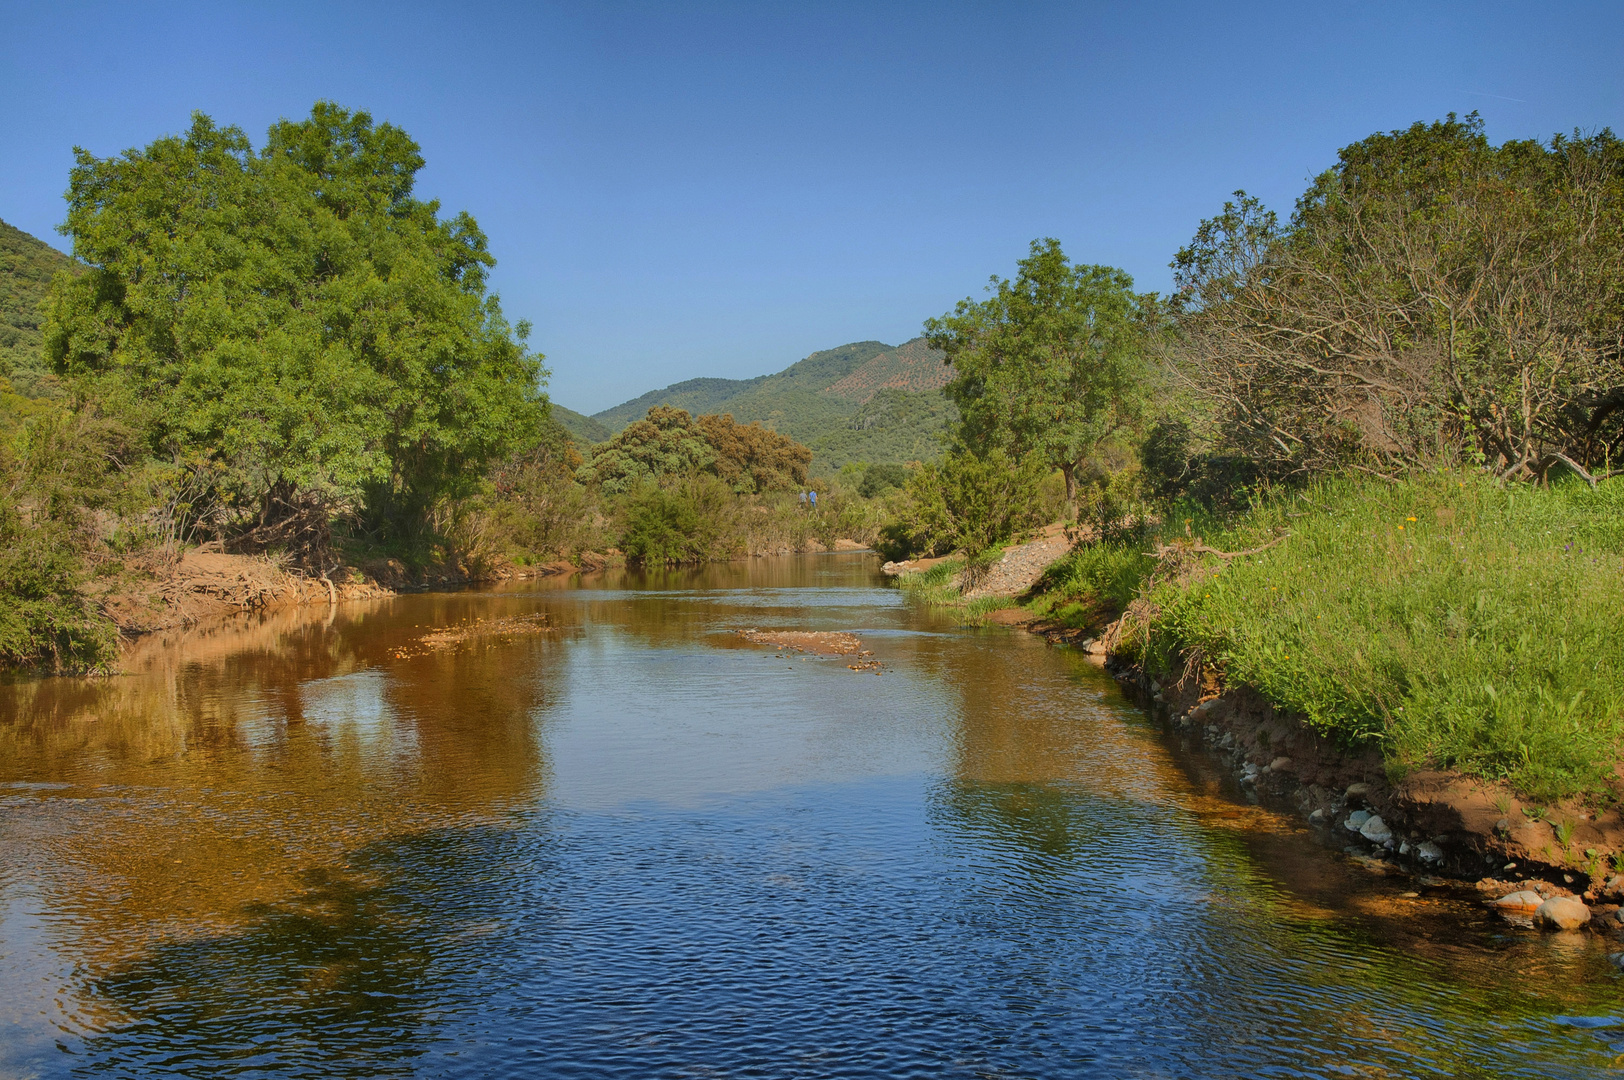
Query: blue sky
{"x": 676, "y": 190}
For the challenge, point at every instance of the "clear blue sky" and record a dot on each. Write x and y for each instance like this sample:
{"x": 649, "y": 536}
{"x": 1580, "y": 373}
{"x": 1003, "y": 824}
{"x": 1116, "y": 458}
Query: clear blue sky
{"x": 676, "y": 189}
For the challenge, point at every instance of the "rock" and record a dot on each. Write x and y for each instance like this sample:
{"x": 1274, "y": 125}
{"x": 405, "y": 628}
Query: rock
{"x": 1613, "y": 886}
{"x": 1429, "y": 852}
{"x": 1356, "y": 820}
{"x": 1616, "y": 959}
{"x": 1525, "y": 902}
{"x": 1502, "y": 826}
{"x": 1561, "y": 913}
{"x": 1375, "y": 830}
{"x": 1404, "y": 847}
{"x": 1356, "y": 793}
{"x": 1317, "y": 815}
{"x": 1279, "y": 763}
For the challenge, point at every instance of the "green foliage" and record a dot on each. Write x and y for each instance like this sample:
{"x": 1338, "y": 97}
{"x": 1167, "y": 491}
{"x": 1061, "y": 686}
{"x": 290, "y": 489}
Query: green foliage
{"x": 1455, "y": 622}
{"x": 583, "y": 429}
{"x": 46, "y": 623}
{"x": 27, "y": 266}
{"x": 1435, "y": 299}
{"x": 1093, "y": 583}
{"x": 1051, "y": 364}
{"x": 966, "y": 502}
{"x": 749, "y": 458}
{"x": 669, "y": 444}
{"x": 692, "y": 521}
{"x": 860, "y": 402}
{"x": 536, "y": 508}
{"x": 881, "y": 478}
{"x": 664, "y": 444}
{"x": 892, "y": 427}
{"x": 55, "y": 475}
{"x": 295, "y": 315}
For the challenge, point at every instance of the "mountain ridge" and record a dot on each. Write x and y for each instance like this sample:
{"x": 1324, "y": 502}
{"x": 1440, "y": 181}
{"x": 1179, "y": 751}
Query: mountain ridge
{"x": 864, "y": 401}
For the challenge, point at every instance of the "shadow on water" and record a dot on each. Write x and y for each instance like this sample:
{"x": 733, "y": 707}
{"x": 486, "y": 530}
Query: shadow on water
{"x": 635, "y": 845}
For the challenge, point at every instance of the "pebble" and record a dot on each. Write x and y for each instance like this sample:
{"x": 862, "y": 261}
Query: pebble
{"x": 1429, "y": 851}
{"x": 1562, "y": 913}
{"x": 1317, "y": 815}
{"x": 1279, "y": 763}
{"x": 1356, "y": 820}
{"x": 1356, "y": 791}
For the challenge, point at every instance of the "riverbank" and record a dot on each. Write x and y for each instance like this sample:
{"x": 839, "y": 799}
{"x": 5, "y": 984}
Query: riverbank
{"x": 170, "y": 591}
{"x": 1429, "y": 672}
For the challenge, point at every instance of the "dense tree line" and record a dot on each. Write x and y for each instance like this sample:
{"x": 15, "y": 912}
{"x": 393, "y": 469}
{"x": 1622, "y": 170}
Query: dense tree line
{"x": 1433, "y": 301}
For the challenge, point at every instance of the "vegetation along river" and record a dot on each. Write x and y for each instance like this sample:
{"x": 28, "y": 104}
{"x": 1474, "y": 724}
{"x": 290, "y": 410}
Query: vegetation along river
{"x": 626, "y": 841}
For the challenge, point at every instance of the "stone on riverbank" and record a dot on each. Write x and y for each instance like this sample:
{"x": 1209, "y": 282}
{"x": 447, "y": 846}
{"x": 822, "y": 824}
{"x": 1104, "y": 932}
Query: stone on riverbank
{"x": 1525, "y": 902}
{"x": 1561, "y": 913}
{"x": 1375, "y": 830}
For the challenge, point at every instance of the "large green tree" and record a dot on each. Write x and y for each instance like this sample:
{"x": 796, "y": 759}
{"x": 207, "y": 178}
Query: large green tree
{"x": 1433, "y": 296}
{"x": 293, "y": 321}
{"x": 1050, "y": 364}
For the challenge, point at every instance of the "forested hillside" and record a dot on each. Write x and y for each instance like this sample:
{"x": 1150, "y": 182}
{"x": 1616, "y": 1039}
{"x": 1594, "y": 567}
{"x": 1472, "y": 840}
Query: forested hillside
{"x": 583, "y": 429}
{"x": 862, "y": 402}
{"x": 26, "y": 268}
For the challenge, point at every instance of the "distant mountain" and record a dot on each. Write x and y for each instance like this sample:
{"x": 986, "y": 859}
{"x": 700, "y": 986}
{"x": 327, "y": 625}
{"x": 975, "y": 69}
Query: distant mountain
{"x": 26, "y": 268}
{"x": 912, "y": 366}
{"x": 695, "y": 395}
{"x": 583, "y": 429}
{"x": 867, "y": 401}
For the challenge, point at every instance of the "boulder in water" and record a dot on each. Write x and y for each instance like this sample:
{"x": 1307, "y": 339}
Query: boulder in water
{"x": 1562, "y": 913}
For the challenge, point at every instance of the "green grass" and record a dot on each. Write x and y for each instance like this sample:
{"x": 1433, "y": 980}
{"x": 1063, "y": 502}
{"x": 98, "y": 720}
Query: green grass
{"x": 1457, "y": 623}
{"x": 1092, "y": 584}
{"x": 935, "y": 587}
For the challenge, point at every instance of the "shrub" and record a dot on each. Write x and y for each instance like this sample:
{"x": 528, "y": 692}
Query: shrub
{"x": 695, "y": 520}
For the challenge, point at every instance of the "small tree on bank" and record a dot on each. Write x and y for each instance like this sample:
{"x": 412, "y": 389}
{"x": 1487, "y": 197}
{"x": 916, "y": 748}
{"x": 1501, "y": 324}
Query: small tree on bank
{"x": 1050, "y": 365}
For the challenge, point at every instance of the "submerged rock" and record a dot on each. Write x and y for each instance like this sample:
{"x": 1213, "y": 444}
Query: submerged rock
{"x": 1562, "y": 913}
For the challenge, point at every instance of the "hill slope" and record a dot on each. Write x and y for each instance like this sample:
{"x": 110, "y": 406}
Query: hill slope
{"x": 26, "y": 268}
{"x": 583, "y": 429}
{"x": 866, "y": 401}
{"x": 912, "y": 366}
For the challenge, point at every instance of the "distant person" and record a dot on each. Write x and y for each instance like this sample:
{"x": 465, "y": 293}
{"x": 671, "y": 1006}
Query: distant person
{"x": 802, "y": 497}
{"x": 812, "y": 499}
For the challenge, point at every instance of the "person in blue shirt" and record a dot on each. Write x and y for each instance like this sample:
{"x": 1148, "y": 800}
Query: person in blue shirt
{"x": 812, "y": 499}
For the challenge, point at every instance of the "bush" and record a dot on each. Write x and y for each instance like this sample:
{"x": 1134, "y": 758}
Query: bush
{"x": 878, "y": 479}
{"x": 967, "y": 502}
{"x": 696, "y": 520}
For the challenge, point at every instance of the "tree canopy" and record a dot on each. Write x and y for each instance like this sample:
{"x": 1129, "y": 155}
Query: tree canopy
{"x": 292, "y": 319}
{"x": 1432, "y": 296}
{"x": 1050, "y": 364}
{"x": 669, "y": 444}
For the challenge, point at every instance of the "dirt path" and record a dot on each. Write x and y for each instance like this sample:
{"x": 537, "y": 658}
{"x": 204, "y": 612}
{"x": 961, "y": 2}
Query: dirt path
{"x": 1021, "y": 566}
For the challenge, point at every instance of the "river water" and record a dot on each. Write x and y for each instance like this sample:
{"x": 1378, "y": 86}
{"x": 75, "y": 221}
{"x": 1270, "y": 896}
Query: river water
{"x": 637, "y": 845}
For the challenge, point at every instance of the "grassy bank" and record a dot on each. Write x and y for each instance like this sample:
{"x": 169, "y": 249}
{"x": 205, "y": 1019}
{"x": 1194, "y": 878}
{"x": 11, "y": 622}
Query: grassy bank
{"x": 1459, "y": 623}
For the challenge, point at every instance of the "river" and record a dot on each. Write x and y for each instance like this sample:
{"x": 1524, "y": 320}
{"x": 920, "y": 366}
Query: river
{"x": 634, "y": 844}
